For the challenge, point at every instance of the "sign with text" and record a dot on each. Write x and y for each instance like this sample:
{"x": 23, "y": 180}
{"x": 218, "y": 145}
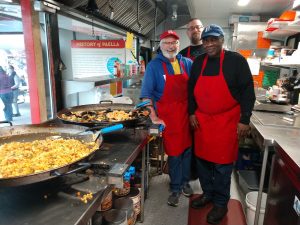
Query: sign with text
{"x": 95, "y": 58}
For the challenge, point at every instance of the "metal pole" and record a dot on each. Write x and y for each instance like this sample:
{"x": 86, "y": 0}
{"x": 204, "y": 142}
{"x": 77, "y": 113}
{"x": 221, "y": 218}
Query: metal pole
{"x": 143, "y": 186}
{"x": 261, "y": 184}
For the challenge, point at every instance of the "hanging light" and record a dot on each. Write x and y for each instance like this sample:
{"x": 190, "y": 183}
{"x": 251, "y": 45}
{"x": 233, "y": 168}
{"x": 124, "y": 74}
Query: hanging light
{"x": 92, "y": 6}
{"x": 243, "y": 2}
{"x": 111, "y": 12}
{"x": 174, "y": 14}
{"x": 140, "y": 27}
{"x": 138, "y": 17}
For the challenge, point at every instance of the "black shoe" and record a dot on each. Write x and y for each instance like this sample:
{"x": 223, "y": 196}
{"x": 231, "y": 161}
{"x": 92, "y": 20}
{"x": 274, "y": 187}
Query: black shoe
{"x": 16, "y": 115}
{"x": 199, "y": 202}
{"x": 216, "y": 214}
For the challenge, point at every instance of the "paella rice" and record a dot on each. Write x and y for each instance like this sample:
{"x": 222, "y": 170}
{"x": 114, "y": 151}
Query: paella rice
{"x": 25, "y": 158}
{"x": 102, "y": 116}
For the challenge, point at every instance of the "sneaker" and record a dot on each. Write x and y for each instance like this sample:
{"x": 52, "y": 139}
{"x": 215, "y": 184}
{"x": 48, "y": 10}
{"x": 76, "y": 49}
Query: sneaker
{"x": 173, "y": 199}
{"x": 16, "y": 115}
{"x": 187, "y": 190}
{"x": 216, "y": 214}
{"x": 200, "y": 202}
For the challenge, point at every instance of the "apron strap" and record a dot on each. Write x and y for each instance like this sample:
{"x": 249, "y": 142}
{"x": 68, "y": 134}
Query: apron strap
{"x": 182, "y": 68}
{"x": 165, "y": 68}
{"x": 189, "y": 52}
{"x": 221, "y": 63}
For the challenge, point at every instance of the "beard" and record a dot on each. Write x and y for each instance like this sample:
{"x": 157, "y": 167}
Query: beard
{"x": 170, "y": 55}
{"x": 196, "y": 39}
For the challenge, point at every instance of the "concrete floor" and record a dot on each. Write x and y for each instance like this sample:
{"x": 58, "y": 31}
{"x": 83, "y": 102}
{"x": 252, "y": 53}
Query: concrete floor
{"x": 158, "y": 212}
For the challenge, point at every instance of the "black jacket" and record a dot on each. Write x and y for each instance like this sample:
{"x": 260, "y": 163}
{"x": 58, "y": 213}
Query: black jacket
{"x": 238, "y": 78}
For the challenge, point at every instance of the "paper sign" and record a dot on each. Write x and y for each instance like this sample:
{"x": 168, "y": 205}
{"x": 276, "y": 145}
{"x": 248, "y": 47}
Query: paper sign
{"x": 129, "y": 40}
{"x": 95, "y": 58}
{"x": 254, "y": 64}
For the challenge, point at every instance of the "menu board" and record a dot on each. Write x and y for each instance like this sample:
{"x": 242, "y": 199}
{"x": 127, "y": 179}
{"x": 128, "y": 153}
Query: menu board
{"x": 96, "y": 58}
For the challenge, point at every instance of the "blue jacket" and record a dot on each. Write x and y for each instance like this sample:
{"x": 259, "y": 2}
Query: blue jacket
{"x": 154, "y": 82}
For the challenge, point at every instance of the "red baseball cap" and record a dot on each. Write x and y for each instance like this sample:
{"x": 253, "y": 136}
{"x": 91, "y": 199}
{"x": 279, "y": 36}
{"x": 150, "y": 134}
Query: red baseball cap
{"x": 169, "y": 33}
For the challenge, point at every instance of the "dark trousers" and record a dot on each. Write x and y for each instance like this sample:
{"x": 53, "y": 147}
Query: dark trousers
{"x": 179, "y": 170}
{"x": 215, "y": 181}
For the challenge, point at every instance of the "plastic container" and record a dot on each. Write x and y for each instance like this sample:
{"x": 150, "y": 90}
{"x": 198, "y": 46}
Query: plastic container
{"x": 251, "y": 200}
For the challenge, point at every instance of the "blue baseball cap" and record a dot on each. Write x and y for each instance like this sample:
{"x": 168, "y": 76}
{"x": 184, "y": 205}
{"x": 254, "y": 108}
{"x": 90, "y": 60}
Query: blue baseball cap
{"x": 212, "y": 30}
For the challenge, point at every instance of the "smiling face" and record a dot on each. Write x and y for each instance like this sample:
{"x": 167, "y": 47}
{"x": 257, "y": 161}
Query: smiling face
{"x": 194, "y": 30}
{"x": 213, "y": 45}
{"x": 169, "y": 47}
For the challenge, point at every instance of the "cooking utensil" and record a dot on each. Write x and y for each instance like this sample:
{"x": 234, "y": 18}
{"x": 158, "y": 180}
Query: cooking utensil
{"x": 141, "y": 105}
{"x": 40, "y": 132}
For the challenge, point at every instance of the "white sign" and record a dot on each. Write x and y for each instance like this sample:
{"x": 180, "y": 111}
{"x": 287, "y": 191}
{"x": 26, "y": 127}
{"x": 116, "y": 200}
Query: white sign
{"x": 96, "y": 58}
{"x": 254, "y": 64}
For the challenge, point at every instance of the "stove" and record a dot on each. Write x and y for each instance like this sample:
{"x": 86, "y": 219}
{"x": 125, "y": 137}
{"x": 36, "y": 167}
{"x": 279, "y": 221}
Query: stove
{"x": 57, "y": 201}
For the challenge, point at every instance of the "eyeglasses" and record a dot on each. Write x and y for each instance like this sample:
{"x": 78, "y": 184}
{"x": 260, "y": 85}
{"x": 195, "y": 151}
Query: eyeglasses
{"x": 171, "y": 43}
{"x": 197, "y": 27}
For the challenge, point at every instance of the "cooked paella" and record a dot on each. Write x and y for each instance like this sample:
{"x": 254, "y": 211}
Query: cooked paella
{"x": 25, "y": 158}
{"x": 103, "y": 115}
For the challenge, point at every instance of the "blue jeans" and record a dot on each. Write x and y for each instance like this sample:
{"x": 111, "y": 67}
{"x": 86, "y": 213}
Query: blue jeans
{"x": 15, "y": 101}
{"x": 179, "y": 170}
{"x": 7, "y": 99}
{"x": 215, "y": 181}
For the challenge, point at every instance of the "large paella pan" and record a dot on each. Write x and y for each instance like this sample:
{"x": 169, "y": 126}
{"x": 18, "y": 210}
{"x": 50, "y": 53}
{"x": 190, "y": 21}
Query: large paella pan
{"x": 103, "y": 114}
{"x": 20, "y": 144}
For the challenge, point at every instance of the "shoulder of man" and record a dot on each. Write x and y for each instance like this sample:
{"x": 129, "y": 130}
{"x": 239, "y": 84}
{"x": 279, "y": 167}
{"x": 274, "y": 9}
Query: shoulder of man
{"x": 183, "y": 58}
{"x": 233, "y": 54}
{"x": 184, "y": 51}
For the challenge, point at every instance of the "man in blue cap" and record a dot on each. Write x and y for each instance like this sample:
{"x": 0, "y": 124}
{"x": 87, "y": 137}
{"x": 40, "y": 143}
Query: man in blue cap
{"x": 221, "y": 100}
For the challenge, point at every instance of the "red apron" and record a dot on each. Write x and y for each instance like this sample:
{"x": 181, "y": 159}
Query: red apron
{"x": 189, "y": 54}
{"x": 218, "y": 114}
{"x": 172, "y": 108}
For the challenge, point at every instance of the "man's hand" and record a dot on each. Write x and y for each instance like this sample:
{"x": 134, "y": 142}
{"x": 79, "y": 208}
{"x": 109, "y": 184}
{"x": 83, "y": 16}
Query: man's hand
{"x": 157, "y": 120}
{"x": 243, "y": 130}
{"x": 194, "y": 122}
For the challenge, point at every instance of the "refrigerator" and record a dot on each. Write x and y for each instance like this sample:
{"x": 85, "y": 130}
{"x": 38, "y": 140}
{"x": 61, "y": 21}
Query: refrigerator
{"x": 245, "y": 36}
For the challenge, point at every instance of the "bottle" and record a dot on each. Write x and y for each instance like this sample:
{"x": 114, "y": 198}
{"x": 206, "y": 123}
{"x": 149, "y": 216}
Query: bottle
{"x": 134, "y": 69}
{"x": 142, "y": 67}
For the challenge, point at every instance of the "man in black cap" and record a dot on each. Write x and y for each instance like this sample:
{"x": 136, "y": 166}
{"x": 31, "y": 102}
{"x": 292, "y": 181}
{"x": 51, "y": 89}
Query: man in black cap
{"x": 194, "y": 29}
{"x": 221, "y": 100}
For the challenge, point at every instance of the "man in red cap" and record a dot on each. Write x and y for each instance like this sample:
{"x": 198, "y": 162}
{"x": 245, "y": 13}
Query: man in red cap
{"x": 165, "y": 85}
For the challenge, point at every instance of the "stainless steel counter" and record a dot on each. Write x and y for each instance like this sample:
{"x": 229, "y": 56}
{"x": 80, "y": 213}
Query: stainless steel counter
{"x": 268, "y": 128}
{"x": 275, "y": 129}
